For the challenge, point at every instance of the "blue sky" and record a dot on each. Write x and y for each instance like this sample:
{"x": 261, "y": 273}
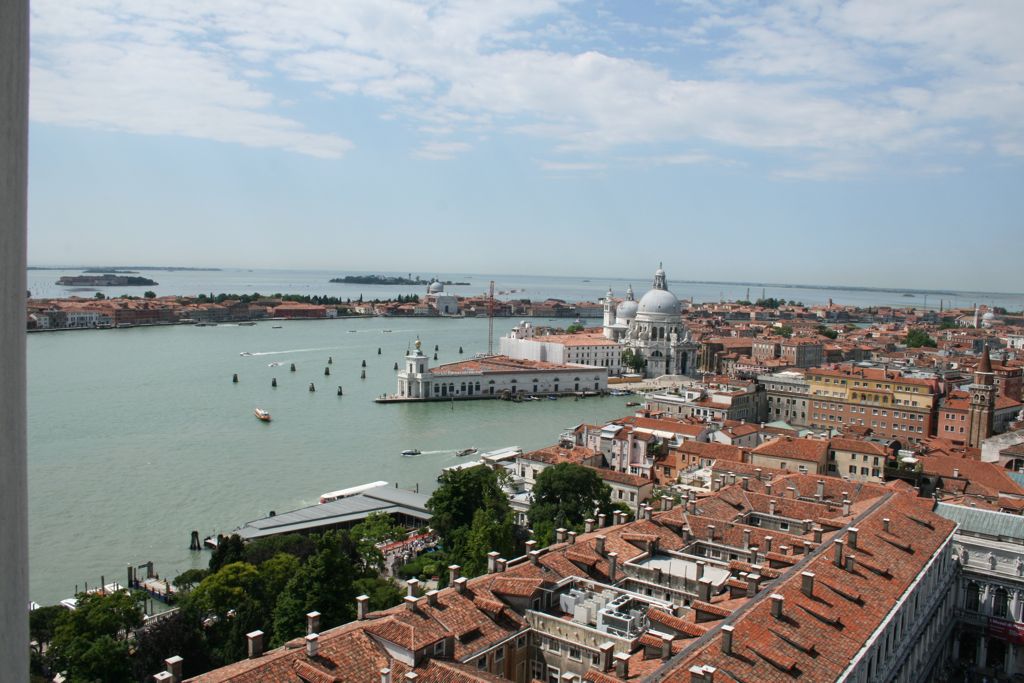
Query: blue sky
{"x": 866, "y": 142}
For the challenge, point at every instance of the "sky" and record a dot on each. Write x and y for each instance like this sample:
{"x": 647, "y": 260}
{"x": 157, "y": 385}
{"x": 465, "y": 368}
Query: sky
{"x": 864, "y": 142}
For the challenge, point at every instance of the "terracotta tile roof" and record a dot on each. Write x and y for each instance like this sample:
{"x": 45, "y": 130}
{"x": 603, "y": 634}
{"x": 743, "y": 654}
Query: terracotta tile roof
{"x": 677, "y": 624}
{"x": 476, "y": 366}
{"x": 810, "y": 450}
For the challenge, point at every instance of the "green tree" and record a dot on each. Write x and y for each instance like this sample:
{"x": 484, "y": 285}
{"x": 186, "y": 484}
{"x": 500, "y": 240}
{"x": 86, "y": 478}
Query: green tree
{"x": 564, "y": 496}
{"x": 633, "y": 360}
{"x": 826, "y": 331}
{"x": 785, "y": 331}
{"x": 99, "y": 295}
{"x": 42, "y": 622}
{"x": 467, "y": 508}
{"x": 491, "y": 530}
{"x": 917, "y": 338}
{"x": 383, "y": 593}
{"x": 90, "y": 643}
{"x": 324, "y": 583}
{"x": 190, "y": 578}
{"x": 378, "y": 527}
{"x": 227, "y": 589}
{"x": 574, "y": 328}
{"x": 149, "y": 294}
{"x": 229, "y": 549}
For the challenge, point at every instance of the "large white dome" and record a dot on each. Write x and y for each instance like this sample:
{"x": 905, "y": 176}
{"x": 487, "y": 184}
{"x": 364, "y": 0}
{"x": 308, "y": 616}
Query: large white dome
{"x": 660, "y": 302}
{"x": 435, "y": 287}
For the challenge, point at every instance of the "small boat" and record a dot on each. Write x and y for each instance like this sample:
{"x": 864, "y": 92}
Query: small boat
{"x": 274, "y": 364}
{"x": 350, "y": 331}
{"x": 384, "y": 331}
{"x": 245, "y": 353}
{"x": 276, "y": 327}
{"x": 552, "y": 397}
{"x": 261, "y": 415}
{"x": 409, "y": 452}
{"x": 631, "y": 404}
{"x": 248, "y": 323}
{"x": 465, "y": 451}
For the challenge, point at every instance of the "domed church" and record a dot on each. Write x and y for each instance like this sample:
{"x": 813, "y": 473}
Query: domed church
{"x": 652, "y": 327}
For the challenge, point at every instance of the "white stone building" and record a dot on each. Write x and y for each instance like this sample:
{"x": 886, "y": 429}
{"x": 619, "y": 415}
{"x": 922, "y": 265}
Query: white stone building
{"x": 492, "y": 377}
{"x": 583, "y": 348}
{"x": 440, "y": 301}
{"x": 653, "y": 328}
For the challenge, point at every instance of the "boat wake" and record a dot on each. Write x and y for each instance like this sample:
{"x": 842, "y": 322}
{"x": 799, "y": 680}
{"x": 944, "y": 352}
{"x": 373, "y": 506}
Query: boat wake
{"x": 279, "y": 353}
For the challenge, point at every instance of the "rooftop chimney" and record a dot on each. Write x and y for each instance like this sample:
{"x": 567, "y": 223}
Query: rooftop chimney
{"x": 255, "y": 639}
{"x": 500, "y": 564}
{"x": 745, "y": 483}
{"x": 777, "y": 601}
{"x": 602, "y": 520}
{"x": 411, "y": 675}
{"x": 492, "y": 557}
{"x": 622, "y": 665}
{"x": 746, "y": 538}
{"x": 704, "y": 589}
{"x": 851, "y": 537}
{"x": 454, "y": 569}
{"x": 768, "y": 543}
{"x": 667, "y": 503}
{"x": 410, "y": 602}
{"x": 846, "y": 506}
{"x": 559, "y": 536}
{"x": 607, "y": 649}
{"x": 771, "y": 507}
{"x": 313, "y": 644}
{"x": 362, "y": 606}
{"x": 666, "y": 645}
{"x": 163, "y": 677}
{"x": 956, "y": 472}
{"x": 820, "y": 493}
{"x": 807, "y": 584}
{"x": 851, "y": 562}
{"x": 838, "y": 557}
{"x": 173, "y": 665}
{"x": 768, "y": 488}
{"x": 727, "y": 639}
{"x": 385, "y": 675}
{"x": 699, "y": 571}
{"x": 612, "y": 562}
{"x": 535, "y": 557}
{"x": 817, "y": 533}
{"x": 753, "y": 582}
{"x": 412, "y": 584}
{"x": 432, "y": 598}
{"x": 711, "y": 532}
{"x": 599, "y": 545}
{"x": 572, "y": 537}
{"x": 460, "y": 585}
{"x": 312, "y": 622}
{"x": 885, "y": 524}
{"x": 588, "y": 525}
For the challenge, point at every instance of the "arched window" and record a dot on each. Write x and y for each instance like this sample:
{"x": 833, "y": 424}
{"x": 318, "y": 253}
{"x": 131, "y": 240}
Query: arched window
{"x": 973, "y": 600}
{"x": 1000, "y": 603}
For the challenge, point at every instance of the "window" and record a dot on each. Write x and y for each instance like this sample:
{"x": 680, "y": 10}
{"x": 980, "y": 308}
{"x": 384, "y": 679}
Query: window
{"x": 1000, "y": 603}
{"x": 973, "y": 599}
{"x": 499, "y": 655}
{"x": 520, "y": 642}
{"x": 482, "y": 663}
{"x": 439, "y": 648}
{"x": 575, "y": 653}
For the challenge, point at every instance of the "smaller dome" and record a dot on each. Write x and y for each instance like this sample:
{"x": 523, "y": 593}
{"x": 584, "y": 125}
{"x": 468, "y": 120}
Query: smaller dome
{"x": 435, "y": 288}
{"x": 626, "y": 311}
{"x": 989, "y": 315}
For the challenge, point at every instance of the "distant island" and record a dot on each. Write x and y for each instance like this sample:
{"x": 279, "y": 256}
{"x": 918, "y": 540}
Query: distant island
{"x": 388, "y": 280}
{"x": 122, "y": 269}
{"x": 105, "y": 280}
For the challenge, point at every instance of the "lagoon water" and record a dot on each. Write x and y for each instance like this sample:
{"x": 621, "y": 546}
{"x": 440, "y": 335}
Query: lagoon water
{"x": 137, "y": 436}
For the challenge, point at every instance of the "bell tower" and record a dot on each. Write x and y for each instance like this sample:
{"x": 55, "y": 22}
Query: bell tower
{"x": 983, "y": 402}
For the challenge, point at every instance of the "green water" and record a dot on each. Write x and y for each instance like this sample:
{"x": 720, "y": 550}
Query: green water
{"x": 138, "y": 436}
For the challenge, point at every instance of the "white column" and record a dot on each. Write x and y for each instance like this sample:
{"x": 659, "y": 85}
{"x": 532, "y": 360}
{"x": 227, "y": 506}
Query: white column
{"x": 13, "y": 210}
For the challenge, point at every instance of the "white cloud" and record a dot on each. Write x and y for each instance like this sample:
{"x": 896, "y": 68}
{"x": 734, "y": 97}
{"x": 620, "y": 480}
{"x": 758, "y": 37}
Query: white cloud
{"x": 572, "y": 166}
{"x": 441, "y": 150}
{"x": 800, "y": 79}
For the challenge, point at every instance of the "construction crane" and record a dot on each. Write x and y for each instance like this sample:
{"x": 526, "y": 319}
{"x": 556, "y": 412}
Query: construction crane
{"x": 490, "y": 321}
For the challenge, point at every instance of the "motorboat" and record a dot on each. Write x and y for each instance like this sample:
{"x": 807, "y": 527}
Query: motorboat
{"x": 245, "y": 353}
{"x": 465, "y": 451}
{"x": 274, "y": 364}
{"x": 261, "y": 415}
{"x": 409, "y": 452}
{"x": 276, "y": 327}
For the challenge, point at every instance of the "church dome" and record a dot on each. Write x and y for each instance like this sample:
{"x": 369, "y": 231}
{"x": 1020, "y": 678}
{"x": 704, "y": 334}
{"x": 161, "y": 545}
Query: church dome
{"x": 626, "y": 311}
{"x": 659, "y": 301}
{"x": 989, "y": 315}
{"x": 435, "y": 288}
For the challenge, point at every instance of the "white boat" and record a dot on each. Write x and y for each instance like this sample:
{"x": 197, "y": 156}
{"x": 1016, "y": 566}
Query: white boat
{"x": 261, "y": 415}
{"x": 274, "y": 364}
{"x": 245, "y": 353}
{"x": 465, "y": 451}
{"x": 351, "y": 491}
{"x": 411, "y": 451}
